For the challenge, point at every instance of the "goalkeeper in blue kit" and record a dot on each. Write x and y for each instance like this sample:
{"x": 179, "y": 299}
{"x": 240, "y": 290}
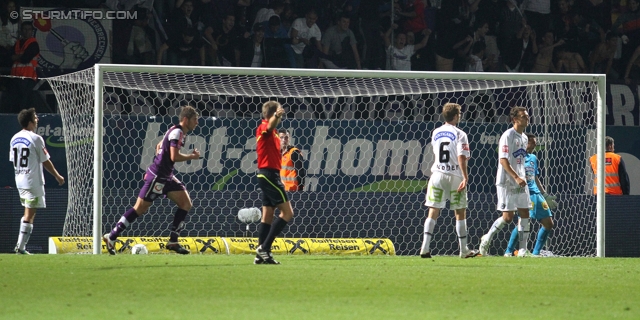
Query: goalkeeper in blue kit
{"x": 541, "y": 203}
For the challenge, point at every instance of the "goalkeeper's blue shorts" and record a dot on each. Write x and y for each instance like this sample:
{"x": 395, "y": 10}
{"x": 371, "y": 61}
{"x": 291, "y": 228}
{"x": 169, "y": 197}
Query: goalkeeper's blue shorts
{"x": 539, "y": 207}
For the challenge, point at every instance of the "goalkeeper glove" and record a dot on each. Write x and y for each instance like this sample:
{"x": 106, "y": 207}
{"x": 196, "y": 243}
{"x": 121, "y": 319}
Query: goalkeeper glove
{"x": 551, "y": 201}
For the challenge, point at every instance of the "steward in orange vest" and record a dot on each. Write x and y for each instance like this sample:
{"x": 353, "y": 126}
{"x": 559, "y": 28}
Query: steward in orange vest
{"x": 616, "y": 179}
{"x": 292, "y": 171}
{"x": 26, "y": 52}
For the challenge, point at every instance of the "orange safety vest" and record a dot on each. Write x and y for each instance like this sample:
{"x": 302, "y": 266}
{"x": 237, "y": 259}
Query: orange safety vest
{"x": 288, "y": 172}
{"x": 611, "y": 178}
{"x": 27, "y": 70}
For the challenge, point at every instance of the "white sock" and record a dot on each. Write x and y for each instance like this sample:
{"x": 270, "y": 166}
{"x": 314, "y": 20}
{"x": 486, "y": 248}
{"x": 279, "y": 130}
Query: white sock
{"x": 523, "y": 232}
{"x": 461, "y": 229}
{"x": 429, "y": 225}
{"x": 25, "y": 233}
{"x": 497, "y": 226}
{"x": 124, "y": 221}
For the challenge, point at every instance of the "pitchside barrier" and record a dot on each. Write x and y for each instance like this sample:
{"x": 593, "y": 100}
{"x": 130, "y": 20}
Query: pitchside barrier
{"x": 231, "y": 245}
{"x": 403, "y": 225}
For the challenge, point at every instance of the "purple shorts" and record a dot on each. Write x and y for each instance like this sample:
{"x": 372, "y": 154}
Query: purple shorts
{"x": 155, "y": 187}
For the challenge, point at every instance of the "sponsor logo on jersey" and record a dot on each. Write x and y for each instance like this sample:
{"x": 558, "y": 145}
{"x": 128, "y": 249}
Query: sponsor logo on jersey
{"x": 18, "y": 140}
{"x": 505, "y": 149}
{"x": 465, "y": 147}
{"x": 445, "y": 134}
{"x": 520, "y": 153}
{"x": 608, "y": 161}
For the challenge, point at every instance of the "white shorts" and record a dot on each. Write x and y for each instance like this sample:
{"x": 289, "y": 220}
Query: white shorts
{"x": 32, "y": 198}
{"x": 513, "y": 198}
{"x": 443, "y": 187}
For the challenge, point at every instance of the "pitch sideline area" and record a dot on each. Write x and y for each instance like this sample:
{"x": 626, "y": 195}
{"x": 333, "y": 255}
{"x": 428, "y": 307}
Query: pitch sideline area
{"x": 316, "y": 287}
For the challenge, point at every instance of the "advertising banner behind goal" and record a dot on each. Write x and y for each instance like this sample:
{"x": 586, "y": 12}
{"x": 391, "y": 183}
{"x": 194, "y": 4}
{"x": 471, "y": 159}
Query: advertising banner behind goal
{"x": 232, "y": 245}
{"x": 343, "y": 155}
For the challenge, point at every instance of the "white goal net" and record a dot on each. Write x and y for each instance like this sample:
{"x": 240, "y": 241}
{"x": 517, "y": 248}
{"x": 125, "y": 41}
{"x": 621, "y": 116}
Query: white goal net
{"x": 364, "y": 136}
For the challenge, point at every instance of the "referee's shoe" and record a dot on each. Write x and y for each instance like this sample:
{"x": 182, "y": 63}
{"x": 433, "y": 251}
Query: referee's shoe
{"x": 267, "y": 257}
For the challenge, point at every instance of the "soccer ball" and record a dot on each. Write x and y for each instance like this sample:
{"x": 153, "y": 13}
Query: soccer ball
{"x": 139, "y": 249}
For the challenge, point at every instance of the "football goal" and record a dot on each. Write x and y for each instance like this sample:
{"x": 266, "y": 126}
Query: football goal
{"x": 364, "y": 135}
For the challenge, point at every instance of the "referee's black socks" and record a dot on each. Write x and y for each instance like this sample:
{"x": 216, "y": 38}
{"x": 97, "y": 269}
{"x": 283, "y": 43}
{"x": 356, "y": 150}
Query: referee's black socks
{"x": 276, "y": 228}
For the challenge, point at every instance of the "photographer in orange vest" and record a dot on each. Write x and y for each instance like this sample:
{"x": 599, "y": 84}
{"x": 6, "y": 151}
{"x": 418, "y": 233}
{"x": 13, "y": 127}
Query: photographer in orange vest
{"x": 292, "y": 172}
{"x": 26, "y": 52}
{"x": 25, "y": 61}
{"x": 616, "y": 179}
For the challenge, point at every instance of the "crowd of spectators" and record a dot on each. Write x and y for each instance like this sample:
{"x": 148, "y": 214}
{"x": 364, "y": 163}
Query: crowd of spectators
{"x": 541, "y": 36}
{"x": 572, "y": 36}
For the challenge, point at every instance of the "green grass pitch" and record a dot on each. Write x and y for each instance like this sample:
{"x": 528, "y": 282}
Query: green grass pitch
{"x": 316, "y": 287}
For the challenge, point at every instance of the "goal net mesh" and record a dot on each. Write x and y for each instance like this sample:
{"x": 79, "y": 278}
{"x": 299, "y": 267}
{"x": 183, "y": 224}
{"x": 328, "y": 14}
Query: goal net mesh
{"x": 366, "y": 144}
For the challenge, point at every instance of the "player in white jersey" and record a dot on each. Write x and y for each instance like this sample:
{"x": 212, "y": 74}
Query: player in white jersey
{"x": 29, "y": 155}
{"x": 448, "y": 179}
{"x": 511, "y": 184}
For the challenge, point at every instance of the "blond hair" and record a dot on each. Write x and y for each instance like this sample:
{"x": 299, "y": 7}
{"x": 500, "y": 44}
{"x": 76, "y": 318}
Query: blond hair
{"x": 450, "y": 110}
{"x": 269, "y": 108}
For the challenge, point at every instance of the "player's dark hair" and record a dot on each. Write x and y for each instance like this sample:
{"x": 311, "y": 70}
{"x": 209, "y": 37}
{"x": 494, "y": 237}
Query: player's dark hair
{"x": 26, "y": 116}
{"x": 450, "y": 110}
{"x": 283, "y": 130}
{"x": 188, "y": 111}
{"x": 514, "y": 112}
{"x": 608, "y": 142}
{"x": 269, "y": 108}
{"x": 530, "y": 135}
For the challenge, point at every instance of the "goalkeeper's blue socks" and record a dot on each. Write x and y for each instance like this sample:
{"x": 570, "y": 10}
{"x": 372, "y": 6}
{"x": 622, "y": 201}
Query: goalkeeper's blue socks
{"x": 543, "y": 234}
{"x": 513, "y": 241}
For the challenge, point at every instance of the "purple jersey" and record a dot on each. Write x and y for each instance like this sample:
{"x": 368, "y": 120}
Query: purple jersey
{"x": 162, "y": 166}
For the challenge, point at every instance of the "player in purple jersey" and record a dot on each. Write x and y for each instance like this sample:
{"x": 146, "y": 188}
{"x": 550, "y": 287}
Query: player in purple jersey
{"x": 159, "y": 181}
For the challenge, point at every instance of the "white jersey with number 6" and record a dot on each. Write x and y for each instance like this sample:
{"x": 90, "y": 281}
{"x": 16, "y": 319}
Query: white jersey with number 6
{"x": 513, "y": 147}
{"x": 27, "y": 154}
{"x": 448, "y": 143}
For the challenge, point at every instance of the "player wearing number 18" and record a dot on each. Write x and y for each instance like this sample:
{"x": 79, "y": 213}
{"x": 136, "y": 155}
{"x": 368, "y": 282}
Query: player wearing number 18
{"x": 29, "y": 155}
{"x": 448, "y": 179}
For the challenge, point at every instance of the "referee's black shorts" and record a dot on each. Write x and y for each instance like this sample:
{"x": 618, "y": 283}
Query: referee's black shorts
{"x": 273, "y": 192}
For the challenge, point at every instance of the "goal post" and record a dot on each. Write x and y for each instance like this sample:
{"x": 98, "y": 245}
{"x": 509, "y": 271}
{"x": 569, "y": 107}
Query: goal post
{"x": 601, "y": 133}
{"x": 379, "y": 158}
{"x": 97, "y": 154}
